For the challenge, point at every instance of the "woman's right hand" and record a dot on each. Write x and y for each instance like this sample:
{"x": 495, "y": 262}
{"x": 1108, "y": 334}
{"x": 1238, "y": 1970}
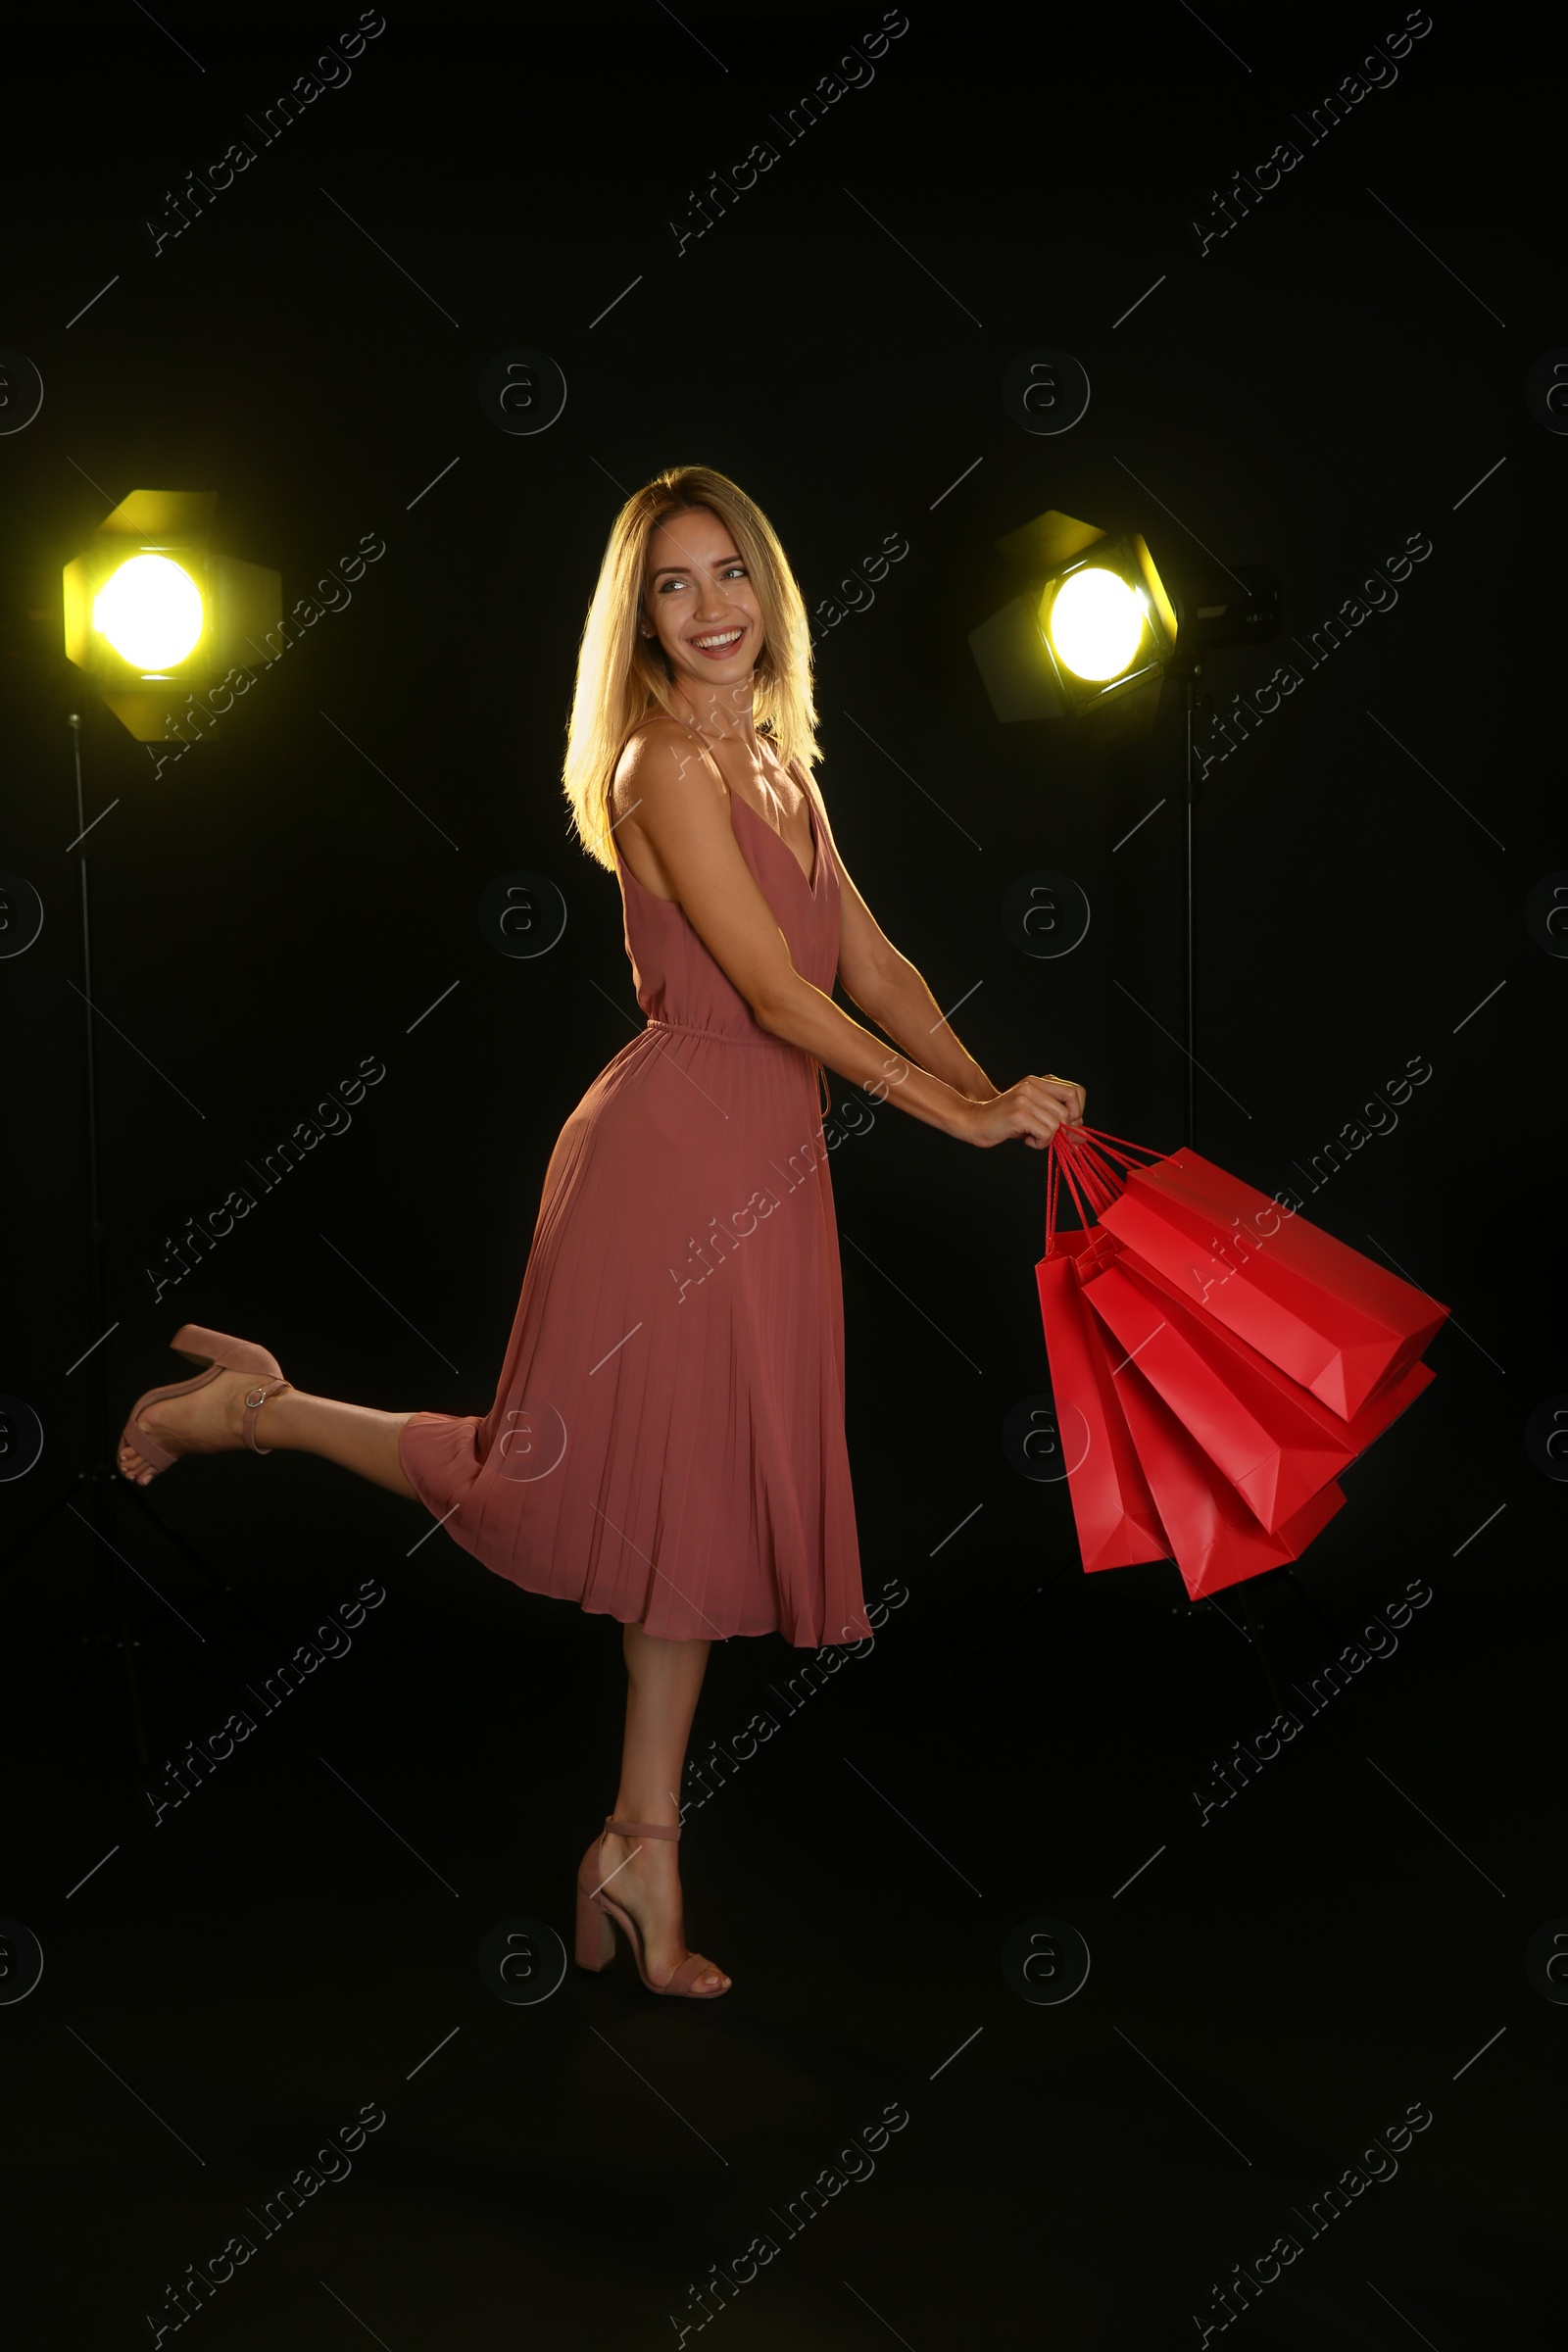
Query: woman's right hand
{"x": 1033, "y": 1108}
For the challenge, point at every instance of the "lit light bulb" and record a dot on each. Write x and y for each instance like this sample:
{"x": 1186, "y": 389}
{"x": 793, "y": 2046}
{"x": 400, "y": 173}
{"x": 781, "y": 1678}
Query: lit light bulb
{"x": 150, "y": 611}
{"x": 1095, "y": 624}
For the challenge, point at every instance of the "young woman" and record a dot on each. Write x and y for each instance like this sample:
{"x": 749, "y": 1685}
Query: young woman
{"x": 667, "y": 1443}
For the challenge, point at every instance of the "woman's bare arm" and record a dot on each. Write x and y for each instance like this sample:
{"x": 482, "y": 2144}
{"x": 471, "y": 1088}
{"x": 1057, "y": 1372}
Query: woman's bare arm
{"x": 887, "y": 987}
{"x": 902, "y": 1004}
{"x": 889, "y": 990}
{"x": 681, "y": 806}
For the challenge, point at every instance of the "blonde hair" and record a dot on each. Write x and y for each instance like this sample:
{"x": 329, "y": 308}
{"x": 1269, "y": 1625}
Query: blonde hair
{"x": 623, "y": 676}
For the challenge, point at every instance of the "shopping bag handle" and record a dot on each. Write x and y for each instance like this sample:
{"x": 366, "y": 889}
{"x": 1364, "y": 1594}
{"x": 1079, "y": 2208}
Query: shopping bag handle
{"x": 1094, "y": 1164}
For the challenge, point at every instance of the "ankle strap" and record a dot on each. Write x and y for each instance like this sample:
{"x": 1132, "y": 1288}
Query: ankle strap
{"x": 255, "y": 1399}
{"x": 639, "y": 1829}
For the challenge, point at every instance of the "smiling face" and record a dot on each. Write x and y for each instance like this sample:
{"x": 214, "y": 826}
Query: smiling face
{"x": 699, "y": 602}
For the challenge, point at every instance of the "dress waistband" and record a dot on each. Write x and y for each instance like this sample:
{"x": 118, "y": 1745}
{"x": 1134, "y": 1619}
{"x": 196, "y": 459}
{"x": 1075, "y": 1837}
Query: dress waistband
{"x": 726, "y": 1037}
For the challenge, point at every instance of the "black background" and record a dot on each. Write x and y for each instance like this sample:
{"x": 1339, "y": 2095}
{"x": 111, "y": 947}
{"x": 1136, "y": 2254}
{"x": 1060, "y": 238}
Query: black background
{"x": 1336, "y": 374}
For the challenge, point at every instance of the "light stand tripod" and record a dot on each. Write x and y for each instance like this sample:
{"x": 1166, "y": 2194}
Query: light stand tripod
{"x": 1194, "y": 705}
{"x": 93, "y": 1491}
{"x": 1187, "y": 672}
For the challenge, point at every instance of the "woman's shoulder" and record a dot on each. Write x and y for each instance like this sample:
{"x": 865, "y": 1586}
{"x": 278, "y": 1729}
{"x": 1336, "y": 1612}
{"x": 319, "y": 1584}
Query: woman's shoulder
{"x": 648, "y": 734}
{"x": 639, "y": 760}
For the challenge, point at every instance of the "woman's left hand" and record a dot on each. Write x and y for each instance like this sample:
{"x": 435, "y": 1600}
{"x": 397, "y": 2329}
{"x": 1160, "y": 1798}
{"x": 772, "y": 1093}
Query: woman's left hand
{"x": 1069, "y": 1093}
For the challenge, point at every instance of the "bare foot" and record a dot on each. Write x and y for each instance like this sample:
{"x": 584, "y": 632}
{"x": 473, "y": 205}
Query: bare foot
{"x": 643, "y": 1875}
{"x": 210, "y": 1420}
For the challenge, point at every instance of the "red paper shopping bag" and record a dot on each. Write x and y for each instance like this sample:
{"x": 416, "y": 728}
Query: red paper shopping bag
{"x": 1337, "y": 1322}
{"x": 1271, "y": 1439}
{"x": 1112, "y": 1507}
{"x": 1216, "y": 1540}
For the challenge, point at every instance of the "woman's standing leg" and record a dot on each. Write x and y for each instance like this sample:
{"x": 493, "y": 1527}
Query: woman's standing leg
{"x": 662, "y": 1681}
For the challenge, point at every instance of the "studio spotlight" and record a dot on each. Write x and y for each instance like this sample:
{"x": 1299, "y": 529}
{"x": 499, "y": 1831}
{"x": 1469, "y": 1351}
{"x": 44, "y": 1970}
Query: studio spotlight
{"x": 154, "y": 610}
{"x": 1087, "y": 638}
{"x": 1092, "y": 636}
{"x": 1097, "y": 629}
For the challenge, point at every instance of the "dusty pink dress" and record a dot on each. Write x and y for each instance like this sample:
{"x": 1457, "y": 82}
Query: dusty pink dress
{"x": 667, "y": 1443}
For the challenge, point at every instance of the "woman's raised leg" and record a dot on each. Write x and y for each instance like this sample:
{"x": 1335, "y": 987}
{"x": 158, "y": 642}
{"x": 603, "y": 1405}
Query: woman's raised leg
{"x": 211, "y": 1420}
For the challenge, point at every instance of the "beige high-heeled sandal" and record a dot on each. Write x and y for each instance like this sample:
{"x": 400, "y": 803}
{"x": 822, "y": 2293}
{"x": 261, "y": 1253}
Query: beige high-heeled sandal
{"x": 220, "y": 1353}
{"x": 596, "y": 1911}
